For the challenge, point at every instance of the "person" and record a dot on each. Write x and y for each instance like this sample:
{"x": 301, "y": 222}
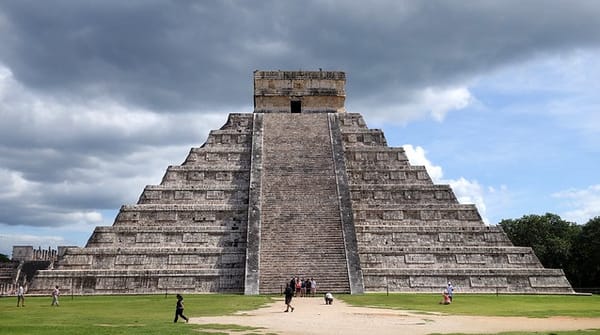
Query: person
{"x": 289, "y": 293}
{"x": 328, "y": 298}
{"x": 307, "y": 286}
{"x": 445, "y": 298}
{"x": 450, "y": 289}
{"x": 55, "y": 294}
{"x": 313, "y": 286}
{"x": 179, "y": 309}
{"x": 298, "y": 287}
{"x": 20, "y": 296}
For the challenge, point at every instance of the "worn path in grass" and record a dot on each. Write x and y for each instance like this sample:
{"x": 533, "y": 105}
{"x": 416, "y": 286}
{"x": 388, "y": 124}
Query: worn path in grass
{"x": 312, "y": 317}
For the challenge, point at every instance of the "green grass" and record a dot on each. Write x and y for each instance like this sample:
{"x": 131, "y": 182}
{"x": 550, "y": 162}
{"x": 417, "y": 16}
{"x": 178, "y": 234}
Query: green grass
{"x": 152, "y": 314}
{"x": 489, "y": 305}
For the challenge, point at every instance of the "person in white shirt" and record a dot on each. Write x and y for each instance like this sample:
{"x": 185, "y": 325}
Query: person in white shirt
{"x": 328, "y": 298}
{"x": 20, "y": 296}
{"x": 55, "y": 295}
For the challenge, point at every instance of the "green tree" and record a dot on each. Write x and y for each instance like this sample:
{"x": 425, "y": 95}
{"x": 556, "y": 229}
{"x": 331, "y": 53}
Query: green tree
{"x": 587, "y": 254}
{"x": 551, "y": 238}
{"x": 4, "y": 258}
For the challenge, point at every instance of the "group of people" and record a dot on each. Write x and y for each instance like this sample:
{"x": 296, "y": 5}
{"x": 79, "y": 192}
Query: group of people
{"x": 21, "y": 296}
{"x": 447, "y": 294}
{"x": 303, "y": 287}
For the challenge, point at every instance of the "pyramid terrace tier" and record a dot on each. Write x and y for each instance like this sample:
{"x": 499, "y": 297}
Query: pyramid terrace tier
{"x": 229, "y": 138}
{"x": 219, "y": 174}
{"x": 462, "y": 214}
{"x": 402, "y": 194}
{"x": 113, "y": 281}
{"x": 233, "y": 235}
{"x": 375, "y": 158}
{"x": 405, "y": 257}
{"x": 156, "y": 257}
{"x": 214, "y": 194}
{"x": 434, "y": 235}
{"x": 181, "y": 215}
{"x": 473, "y": 280}
{"x": 218, "y": 157}
{"x": 355, "y": 138}
{"x": 411, "y": 175}
{"x": 350, "y": 121}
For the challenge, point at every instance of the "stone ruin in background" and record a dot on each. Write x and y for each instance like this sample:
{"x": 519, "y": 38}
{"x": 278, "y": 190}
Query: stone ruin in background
{"x": 298, "y": 188}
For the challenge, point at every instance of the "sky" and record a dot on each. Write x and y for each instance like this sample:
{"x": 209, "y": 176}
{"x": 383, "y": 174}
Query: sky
{"x": 498, "y": 99}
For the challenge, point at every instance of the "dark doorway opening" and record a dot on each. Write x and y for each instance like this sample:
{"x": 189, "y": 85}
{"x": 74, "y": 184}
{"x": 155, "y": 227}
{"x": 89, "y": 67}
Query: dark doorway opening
{"x": 296, "y": 106}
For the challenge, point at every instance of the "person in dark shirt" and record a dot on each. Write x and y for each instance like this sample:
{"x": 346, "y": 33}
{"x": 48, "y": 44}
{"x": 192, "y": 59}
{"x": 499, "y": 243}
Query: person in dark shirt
{"x": 179, "y": 309}
{"x": 289, "y": 294}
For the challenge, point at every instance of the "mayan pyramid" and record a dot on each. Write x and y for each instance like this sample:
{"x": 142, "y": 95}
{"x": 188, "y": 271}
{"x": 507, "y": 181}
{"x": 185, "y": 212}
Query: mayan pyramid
{"x": 298, "y": 188}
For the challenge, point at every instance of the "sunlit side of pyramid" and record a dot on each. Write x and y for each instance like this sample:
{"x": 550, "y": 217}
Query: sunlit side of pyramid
{"x": 298, "y": 188}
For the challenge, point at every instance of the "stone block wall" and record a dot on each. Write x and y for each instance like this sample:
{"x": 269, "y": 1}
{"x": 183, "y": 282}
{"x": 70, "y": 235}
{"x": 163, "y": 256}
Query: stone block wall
{"x": 414, "y": 236}
{"x": 187, "y": 234}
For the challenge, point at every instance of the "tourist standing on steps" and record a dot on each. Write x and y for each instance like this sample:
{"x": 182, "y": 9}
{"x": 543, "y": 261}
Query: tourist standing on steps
{"x": 179, "y": 309}
{"x": 289, "y": 294}
{"x": 20, "y": 296}
{"x": 55, "y": 295}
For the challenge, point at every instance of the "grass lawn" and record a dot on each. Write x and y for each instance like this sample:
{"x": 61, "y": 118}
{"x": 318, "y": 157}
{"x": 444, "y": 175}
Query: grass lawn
{"x": 485, "y": 304}
{"x": 151, "y": 314}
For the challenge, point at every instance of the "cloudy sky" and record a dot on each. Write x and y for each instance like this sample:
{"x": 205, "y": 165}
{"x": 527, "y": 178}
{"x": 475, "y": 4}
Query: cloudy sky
{"x": 497, "y": 98}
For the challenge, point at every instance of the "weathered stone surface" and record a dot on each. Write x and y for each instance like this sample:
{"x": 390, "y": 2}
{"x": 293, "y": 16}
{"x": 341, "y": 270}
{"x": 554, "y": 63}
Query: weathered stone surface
{"x": 298, "y": 188}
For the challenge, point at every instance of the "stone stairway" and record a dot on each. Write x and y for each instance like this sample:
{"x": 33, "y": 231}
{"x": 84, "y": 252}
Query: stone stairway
{"x": 301, "y": 232}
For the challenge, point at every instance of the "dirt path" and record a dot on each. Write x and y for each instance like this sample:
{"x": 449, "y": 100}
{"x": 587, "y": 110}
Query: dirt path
{"x": 312, "y": 317}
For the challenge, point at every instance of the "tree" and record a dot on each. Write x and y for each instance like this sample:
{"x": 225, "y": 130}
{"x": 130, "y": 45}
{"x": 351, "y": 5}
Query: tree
{"x": 551, "y": 238}
{"x": 587, "y": 254}
{"x": 4, "y": 258}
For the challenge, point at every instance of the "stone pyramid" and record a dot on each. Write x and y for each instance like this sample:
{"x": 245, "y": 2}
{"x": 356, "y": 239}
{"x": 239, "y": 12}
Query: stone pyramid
{"x": 299, "y": 188}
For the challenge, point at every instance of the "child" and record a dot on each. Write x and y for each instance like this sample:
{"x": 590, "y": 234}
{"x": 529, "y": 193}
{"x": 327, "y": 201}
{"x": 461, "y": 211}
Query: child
{"x": 445, "y": 298}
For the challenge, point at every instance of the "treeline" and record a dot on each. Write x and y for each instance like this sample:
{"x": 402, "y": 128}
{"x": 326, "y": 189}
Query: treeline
{"x": 561, "y": 244}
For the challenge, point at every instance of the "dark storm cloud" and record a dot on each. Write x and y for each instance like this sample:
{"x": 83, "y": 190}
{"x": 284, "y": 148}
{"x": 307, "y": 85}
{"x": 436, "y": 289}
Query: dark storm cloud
{"x": 171, "y": 55}
{"x": 101, "y": 92}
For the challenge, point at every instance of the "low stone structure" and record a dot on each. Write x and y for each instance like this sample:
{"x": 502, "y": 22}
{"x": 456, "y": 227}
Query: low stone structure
{"x": 298, "y": 188}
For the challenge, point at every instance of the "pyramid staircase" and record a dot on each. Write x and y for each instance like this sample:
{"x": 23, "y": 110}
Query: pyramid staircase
{"x": 301, "y": 232}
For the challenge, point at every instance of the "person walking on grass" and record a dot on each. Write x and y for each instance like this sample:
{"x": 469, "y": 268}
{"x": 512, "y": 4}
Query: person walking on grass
{"x": 289, "y": 294}
{"x": 20, "y": 296}
{"x": 55, "y": 294}
{"x": 179, "y": 309}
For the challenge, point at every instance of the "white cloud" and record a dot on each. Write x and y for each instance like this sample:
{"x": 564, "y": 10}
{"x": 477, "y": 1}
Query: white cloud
{"x": 401, "y": 108}
{"x": 12, "y": 184}
{"x": 438, "y": 102}
{"x": 417, "y": 156}
{"x": 583, "y": 204}
{"x": 466, "y": 191}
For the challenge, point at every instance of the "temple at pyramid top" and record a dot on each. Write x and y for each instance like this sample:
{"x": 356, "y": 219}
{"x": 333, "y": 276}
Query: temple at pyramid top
{"x": 299, "y": 91}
